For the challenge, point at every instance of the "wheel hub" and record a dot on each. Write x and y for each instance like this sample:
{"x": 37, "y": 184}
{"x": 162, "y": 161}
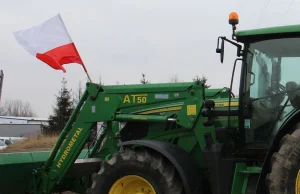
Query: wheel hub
{"x": 132, "y": 184}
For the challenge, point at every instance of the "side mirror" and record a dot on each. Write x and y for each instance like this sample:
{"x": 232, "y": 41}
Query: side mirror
{"x": 220, "y": 50}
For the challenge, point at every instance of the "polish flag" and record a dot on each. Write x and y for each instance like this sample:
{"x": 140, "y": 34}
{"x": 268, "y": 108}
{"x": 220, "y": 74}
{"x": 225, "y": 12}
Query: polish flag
{"x": 51, "y": 43}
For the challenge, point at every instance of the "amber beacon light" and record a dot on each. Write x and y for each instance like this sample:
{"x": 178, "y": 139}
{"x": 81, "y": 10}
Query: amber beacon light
{"x": 233, "y": 18}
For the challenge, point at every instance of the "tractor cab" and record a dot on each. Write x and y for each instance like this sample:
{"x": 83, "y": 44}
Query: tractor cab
{"x": 269, "y": 94}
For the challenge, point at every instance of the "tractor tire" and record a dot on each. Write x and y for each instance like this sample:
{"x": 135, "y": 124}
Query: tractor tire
{"x": 137, "y": 171}
{"x": 284, "y": 177}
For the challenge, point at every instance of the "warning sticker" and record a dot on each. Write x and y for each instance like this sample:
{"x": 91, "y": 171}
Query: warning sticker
{"x": 191, "y": 109}
{"x": 161, "y": 96}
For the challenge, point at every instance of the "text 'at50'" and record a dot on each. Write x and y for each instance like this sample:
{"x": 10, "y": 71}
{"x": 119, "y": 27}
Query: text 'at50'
{"x": 135, "y": 98}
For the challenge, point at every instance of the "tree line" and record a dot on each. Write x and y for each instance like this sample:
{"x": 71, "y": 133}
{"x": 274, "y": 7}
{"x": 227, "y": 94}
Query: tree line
{"x": 175, "y": 79}
{"x": 17, "y": 108}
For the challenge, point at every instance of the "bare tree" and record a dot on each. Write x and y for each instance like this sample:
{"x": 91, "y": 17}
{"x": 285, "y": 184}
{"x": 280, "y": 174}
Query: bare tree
{"x": 2, "y": 111}
{"x": 143, "y": 80}
{"x": 174, "y": 78}
{"x": 17, "y": 108}
{"x": 100, "y": 80}
{"x": 77, "y": 95}
{"x": 204, "y": 79}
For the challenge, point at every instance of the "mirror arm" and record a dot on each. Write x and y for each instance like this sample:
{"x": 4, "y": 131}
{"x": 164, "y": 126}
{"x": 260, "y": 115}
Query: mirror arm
{"x": 221, "y": 50}
{"x": 233, "y": 32}
{"x": 239, "y": 51}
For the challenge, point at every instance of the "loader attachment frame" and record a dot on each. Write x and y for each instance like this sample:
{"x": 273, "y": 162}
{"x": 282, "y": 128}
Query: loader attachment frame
{"x": 72, "y": 140}
{"x": 98, "y": 105}
{"x": 65, "y": 152}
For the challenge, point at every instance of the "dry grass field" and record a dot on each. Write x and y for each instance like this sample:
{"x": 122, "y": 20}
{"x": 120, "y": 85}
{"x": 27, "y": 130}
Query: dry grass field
{"x": 40, "y": 143}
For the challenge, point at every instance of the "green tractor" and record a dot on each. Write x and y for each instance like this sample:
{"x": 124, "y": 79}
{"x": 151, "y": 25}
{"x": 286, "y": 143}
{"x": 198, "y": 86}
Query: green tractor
{"x": 180, "y": 138}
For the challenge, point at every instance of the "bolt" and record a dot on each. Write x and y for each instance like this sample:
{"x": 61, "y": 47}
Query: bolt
{"x": 192, "y": 92}
{"x": 92, "y": 98}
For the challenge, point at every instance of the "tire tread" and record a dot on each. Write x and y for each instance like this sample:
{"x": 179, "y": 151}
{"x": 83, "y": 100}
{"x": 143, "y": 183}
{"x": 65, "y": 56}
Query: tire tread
{"x": 147, "y": 157}
{"x": 282, "y": 163}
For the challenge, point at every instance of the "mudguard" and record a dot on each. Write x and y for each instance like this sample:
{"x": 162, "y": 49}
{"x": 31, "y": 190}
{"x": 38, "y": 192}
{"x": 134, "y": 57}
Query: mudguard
{"x": 189, "y": 171}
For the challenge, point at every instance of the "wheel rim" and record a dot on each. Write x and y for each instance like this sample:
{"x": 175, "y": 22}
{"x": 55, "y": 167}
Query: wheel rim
{"x": 297, "y": 185}
{"x": 132, "y": 184}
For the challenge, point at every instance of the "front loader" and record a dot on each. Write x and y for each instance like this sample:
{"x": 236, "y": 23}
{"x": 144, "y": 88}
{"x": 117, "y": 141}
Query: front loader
{"x": 181, "y": 138}
{"x": 133, "y": 115}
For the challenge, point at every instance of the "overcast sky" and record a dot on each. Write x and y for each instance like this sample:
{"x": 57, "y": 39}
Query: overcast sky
{"x": 120, "y": 39}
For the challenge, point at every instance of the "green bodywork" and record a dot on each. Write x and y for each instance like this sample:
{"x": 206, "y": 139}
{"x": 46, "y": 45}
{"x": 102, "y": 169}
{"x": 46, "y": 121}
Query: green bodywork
{"x": 241, "y": 177}
{"x": 268, "y": 31}
{"x": 148, "y": 103}
{"x": 18, "y": 168}
{"x": 168, "y": 112}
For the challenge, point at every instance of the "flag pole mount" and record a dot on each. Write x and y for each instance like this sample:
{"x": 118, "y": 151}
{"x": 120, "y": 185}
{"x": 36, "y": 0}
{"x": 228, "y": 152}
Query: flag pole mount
{"x": 89, "y": 77}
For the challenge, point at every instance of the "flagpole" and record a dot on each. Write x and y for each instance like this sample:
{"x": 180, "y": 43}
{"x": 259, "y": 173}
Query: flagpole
{"x": 87, "y": 73}
{"x": 75, "y": 48}
{"x": 89, "y": 77}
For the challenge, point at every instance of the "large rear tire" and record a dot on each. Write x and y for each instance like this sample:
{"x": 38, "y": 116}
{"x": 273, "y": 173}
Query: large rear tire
{"x": 284, "y": 177}
{"x": 137, "y": 171}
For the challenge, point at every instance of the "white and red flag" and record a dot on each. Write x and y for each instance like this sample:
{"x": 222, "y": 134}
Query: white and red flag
{"x": 51, "y": 43}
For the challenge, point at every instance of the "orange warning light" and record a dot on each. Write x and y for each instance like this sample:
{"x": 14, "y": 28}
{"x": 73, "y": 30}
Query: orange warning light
{"x": 233, "y": 18}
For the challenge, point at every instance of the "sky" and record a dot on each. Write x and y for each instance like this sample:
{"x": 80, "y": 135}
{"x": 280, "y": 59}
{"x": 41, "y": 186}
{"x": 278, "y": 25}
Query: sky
{"x": 119, "y": 40}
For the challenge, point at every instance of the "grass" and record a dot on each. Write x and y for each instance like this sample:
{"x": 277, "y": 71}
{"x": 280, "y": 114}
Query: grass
{"x": 39, "y": 143}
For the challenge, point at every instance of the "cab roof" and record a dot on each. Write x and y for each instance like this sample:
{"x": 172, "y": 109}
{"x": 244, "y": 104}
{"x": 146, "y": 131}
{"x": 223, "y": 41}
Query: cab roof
{"x": 265, "y": 33}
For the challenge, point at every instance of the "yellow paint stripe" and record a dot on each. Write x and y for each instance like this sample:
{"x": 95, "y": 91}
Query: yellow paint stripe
{"x": 138, "y": 95}
{"x": 218, "y": 104}
{"x": 225, "y": 104}
{"x": 162, "y": 110}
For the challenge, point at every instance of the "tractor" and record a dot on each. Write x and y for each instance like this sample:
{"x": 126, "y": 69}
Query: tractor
{"x": 180, "y": 138}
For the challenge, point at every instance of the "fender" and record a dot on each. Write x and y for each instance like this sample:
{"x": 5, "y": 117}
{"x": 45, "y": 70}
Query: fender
{"x": 285, "y": 128}
{"x": 188, "y": 169}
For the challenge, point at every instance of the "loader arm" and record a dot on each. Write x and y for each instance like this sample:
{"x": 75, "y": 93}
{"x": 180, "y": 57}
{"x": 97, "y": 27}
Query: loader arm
{"x": 74, "y": 136}
{"x": 107, "y": 104}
